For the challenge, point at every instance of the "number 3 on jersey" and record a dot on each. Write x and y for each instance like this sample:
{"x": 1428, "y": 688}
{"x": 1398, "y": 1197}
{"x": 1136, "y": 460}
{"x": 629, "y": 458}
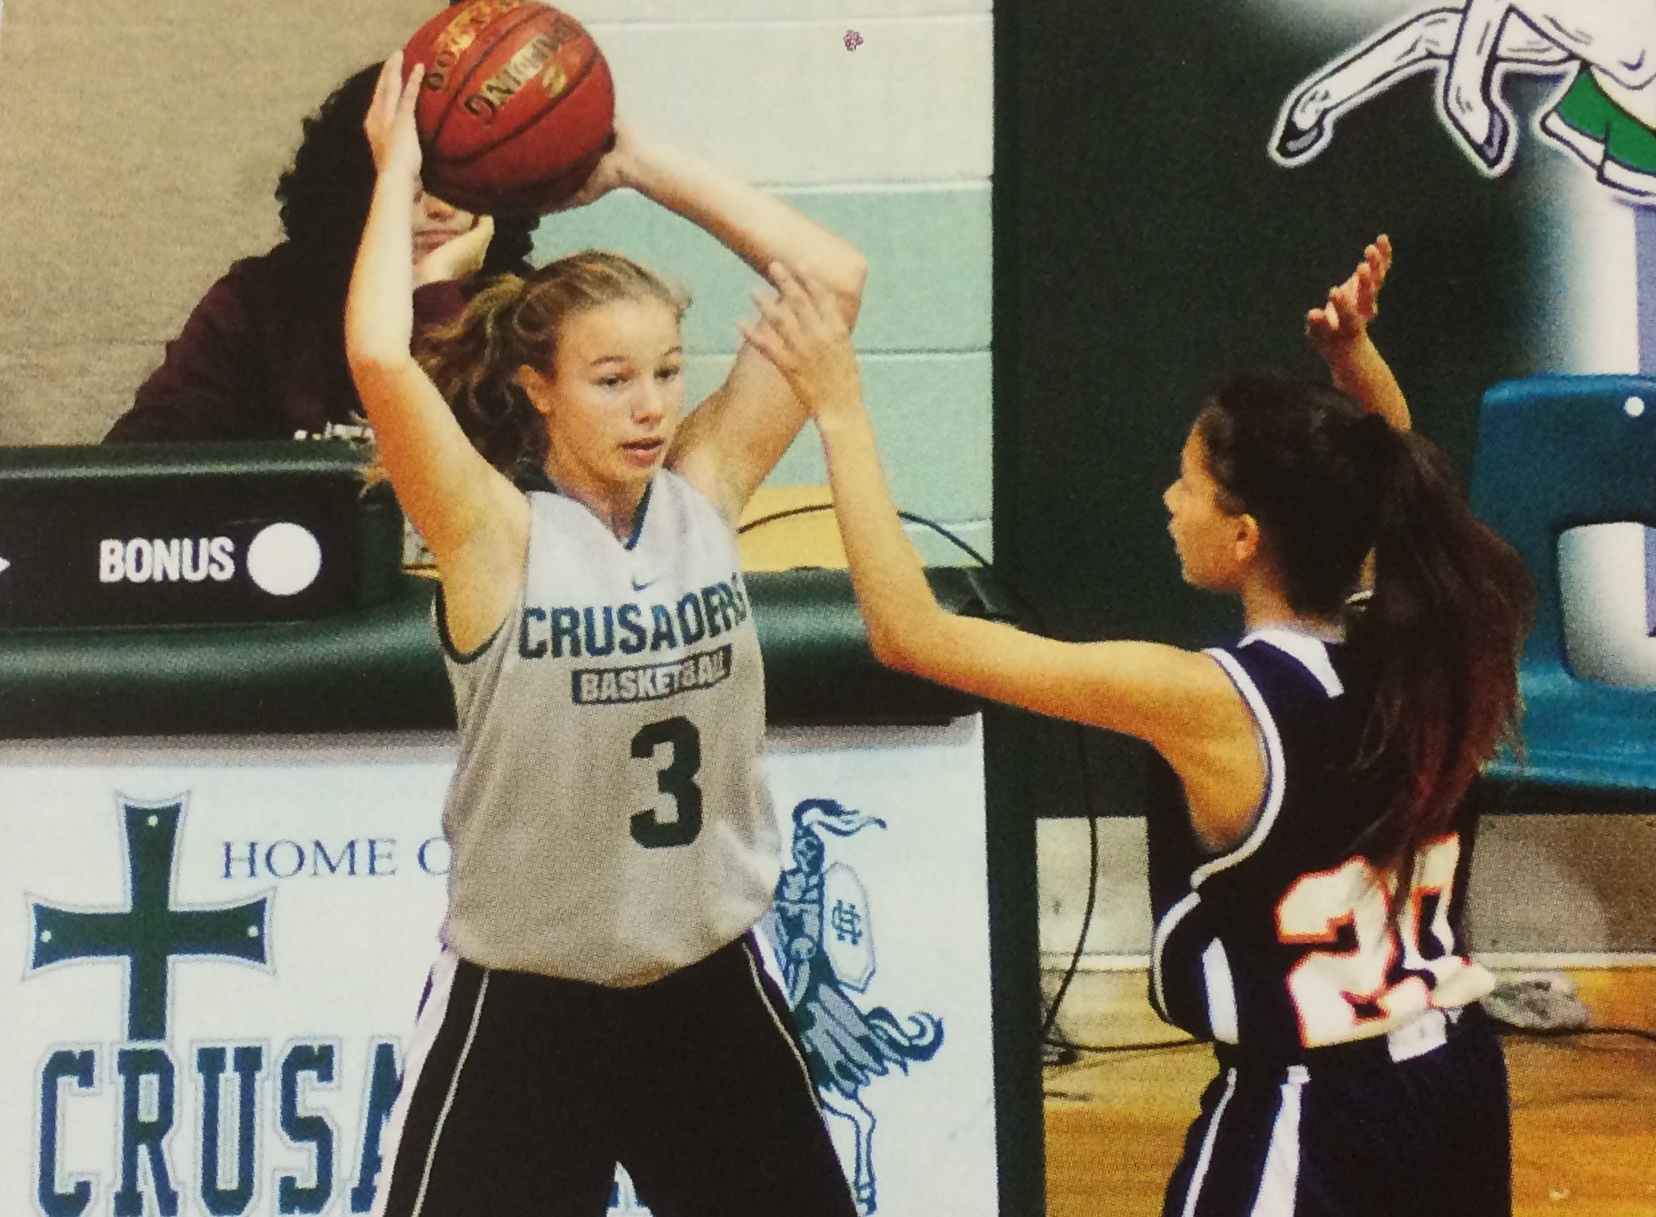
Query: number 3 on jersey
{"x": 1344, "y": 995}
{"x": 676, "y": 779}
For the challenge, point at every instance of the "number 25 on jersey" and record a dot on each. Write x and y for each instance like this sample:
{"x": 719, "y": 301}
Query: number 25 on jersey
{"x": 1389, "y": 973}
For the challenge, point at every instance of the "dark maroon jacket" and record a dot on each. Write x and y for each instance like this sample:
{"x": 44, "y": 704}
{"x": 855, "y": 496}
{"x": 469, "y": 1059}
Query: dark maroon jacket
{"x": 261, "y": 357}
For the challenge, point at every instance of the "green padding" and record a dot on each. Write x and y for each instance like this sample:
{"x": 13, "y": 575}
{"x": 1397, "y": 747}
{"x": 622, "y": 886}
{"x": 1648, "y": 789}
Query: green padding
{"x": 818, "y": 667}
{"x": 374, "y": 670}
{"x": 927, "y": 250}
{"x": 274, "y": 458}
{"x": 379, "y": 669}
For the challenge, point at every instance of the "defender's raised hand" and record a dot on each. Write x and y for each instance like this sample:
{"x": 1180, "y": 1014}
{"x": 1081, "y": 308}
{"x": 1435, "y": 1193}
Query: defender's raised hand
{"x": 803, "y": 333}
{"x": 1339, "y": 330}
{"x": 1351, "y": 305}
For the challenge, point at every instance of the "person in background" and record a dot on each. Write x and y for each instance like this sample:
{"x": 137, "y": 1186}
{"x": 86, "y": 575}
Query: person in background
{"x": 263, "y": 354}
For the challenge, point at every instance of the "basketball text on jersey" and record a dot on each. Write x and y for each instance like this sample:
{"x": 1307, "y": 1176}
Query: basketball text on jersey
{"x": 593, "y": 631}
{"x": 650, "y": 682}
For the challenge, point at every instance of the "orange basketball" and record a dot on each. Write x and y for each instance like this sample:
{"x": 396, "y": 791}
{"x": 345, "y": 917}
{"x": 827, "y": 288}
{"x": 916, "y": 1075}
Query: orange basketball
{"x": 516, "y": 106}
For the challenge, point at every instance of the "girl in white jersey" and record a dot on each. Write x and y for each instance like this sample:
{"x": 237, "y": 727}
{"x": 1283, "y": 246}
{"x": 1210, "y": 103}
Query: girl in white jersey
{"x": 1308, "y": 831}
{"x": 599, "y": 998}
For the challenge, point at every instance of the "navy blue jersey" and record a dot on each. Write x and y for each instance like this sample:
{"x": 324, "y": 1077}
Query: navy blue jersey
{"x": 1288, "y": 942}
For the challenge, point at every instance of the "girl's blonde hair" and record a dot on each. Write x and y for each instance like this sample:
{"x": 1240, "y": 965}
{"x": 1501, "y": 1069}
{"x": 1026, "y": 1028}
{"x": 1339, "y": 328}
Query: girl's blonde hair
{"x": 514, "y": 321}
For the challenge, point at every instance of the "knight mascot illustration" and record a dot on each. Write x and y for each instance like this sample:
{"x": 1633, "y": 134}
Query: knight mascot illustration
{"x": 825, "y": 945}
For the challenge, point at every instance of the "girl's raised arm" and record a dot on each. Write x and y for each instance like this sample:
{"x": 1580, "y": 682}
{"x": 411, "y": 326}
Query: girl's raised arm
{"x": 728, "y": 445}
{"x": 1180, "y": 702}
{"x": 475, "y": 522}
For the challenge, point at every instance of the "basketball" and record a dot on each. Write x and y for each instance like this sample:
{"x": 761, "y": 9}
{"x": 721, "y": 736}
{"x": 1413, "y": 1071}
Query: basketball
{"x": 515, "y": 108}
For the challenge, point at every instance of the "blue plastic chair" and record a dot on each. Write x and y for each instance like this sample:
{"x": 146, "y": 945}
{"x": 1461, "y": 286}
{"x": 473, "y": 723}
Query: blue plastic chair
{"x": 1555, "y": 452}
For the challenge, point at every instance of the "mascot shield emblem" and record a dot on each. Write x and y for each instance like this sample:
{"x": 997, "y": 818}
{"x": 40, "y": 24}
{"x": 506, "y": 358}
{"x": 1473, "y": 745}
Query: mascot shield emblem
{"x": 847, "y": 935}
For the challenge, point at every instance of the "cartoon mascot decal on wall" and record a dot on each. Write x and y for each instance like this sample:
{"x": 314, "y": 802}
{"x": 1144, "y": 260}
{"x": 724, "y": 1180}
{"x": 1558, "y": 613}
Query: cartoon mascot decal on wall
{"x": 825, "y": 944}
{"x": 1605, "y": 113}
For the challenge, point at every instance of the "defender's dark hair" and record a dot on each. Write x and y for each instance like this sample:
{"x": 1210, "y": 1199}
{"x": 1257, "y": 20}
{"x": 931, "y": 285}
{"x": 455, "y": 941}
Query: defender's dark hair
{"x": 324, "y": 194}
{"x": 513, "y": 322}
{"x": 1439, "y": 637}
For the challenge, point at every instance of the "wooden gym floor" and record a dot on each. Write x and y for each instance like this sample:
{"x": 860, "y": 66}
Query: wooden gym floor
{"x": 1584, "y": 1108}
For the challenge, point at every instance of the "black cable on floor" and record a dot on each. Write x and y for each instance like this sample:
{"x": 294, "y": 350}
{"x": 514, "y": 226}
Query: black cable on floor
{"x": 1051, "y": 1018}
{"x": 1145, "y": 1046}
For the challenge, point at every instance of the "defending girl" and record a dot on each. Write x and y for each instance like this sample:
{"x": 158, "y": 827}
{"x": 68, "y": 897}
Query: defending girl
{"x": 599, "y": 998}
{"x": 1309, "y": 851}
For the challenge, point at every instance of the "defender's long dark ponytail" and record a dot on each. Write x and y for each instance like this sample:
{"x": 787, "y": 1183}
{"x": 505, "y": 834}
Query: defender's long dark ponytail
{"x": 1437, "y": 641}
{"x": 1440, "y": 637}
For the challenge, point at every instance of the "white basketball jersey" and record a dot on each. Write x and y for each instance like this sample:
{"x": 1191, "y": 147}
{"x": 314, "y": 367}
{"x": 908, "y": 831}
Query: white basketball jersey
{"x": 608, "y": 816}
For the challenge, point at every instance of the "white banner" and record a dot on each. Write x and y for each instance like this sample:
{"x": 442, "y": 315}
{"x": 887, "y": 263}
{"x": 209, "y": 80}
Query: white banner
{"x": 216, "y": 952}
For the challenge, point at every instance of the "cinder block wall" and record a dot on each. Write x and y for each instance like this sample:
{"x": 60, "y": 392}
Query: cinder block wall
{"x": 125, "y": 192}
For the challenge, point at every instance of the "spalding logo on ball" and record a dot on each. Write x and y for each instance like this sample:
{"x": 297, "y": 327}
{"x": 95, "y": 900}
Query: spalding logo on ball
{"x": 516, "y": 108}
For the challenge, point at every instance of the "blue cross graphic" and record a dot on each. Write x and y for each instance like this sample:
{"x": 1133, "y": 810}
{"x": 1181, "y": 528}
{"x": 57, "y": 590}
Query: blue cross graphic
{"x": 150, "y": 932}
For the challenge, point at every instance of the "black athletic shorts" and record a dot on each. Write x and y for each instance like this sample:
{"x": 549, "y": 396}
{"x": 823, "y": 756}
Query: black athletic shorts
{"x": 521, "y": 1092}
{"x": 1354, "y": 1132}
